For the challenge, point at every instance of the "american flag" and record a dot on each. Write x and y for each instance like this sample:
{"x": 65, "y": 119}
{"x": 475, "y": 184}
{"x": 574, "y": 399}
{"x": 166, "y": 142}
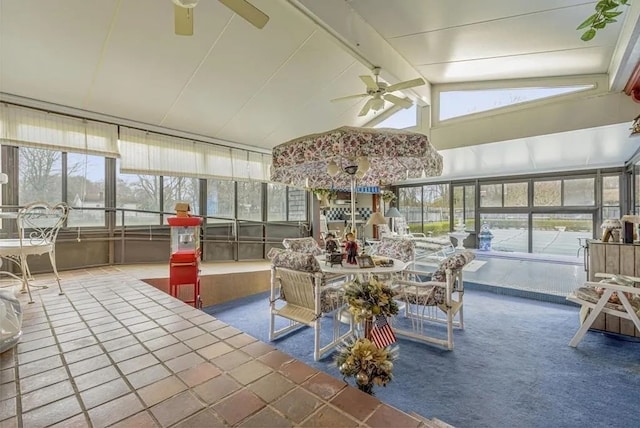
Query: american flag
{"x": 382, "y": 333}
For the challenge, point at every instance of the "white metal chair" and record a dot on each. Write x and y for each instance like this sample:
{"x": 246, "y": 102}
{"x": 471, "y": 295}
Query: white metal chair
{"x": 436, "y": 297}
{"x": 38, "y": 226}
{"x": 301, "y": 295}
{"x": 598, "y": 297}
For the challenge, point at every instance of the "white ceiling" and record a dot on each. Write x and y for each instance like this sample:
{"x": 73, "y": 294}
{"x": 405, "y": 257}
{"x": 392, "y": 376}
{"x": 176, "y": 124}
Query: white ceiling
{"x": 259, "y": 88}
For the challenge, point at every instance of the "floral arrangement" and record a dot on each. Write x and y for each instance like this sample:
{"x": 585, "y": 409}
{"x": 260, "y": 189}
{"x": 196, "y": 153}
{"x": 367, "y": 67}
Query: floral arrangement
{"x": 368, "y": 299}
{"x": 388, "y": 196}
{"x": 320, "y": 193}
{"x": 369, "y": 365}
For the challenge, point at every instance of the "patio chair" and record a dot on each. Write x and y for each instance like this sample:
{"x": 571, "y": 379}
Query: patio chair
{"x": 436, "y": 297}
{"x": 38, "y": 226}
{"x": 301, "y": 295}
{"x": 427, "y": 247}
{"x": 617, "y": 295}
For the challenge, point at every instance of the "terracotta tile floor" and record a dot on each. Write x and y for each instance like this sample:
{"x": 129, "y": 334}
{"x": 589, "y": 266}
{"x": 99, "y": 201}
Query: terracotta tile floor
{"x": 114, "y": 351}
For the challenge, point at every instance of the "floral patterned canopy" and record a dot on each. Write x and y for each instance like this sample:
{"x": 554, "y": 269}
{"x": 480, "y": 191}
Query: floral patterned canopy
{"x": 393, "y": 156}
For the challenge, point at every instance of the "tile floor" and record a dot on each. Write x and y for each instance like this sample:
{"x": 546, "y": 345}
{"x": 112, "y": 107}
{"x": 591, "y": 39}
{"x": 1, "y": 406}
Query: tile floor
{"x": 114, "y": 351}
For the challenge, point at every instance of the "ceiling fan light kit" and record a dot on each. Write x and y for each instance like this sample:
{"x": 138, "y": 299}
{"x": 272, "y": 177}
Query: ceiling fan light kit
{"x": 381, "y": 92}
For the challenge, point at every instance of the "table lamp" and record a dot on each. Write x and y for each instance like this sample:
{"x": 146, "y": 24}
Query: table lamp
{"x": 376, "y": 219}
{"x": 393, "y": 213}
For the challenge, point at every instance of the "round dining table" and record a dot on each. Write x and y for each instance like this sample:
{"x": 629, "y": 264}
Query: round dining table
{"x": 348, "y": 269}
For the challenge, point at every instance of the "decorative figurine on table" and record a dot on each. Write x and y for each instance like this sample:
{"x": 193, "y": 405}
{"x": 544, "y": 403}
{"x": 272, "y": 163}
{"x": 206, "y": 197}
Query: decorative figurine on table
{"x": 330, "y": 244}
{"x": 351, "y": 247}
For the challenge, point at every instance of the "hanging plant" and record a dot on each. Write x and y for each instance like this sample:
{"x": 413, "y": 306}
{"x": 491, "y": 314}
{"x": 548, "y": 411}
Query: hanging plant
{"x": 606, "y": 12}
{"x": 388, "y": 196}
{"x": 369, "y": 365}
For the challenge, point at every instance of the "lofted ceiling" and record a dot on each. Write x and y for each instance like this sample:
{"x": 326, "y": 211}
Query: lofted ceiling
{"x": 120, "y": 59}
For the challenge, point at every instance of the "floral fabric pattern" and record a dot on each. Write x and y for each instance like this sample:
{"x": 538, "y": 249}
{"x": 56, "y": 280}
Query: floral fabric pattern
{"x": 302, "y": 245}
{"x": 305, "y": 262}
{"x": 397, "y": 248}
{"x": 393, "y": 156}
{"x": 453, "y": 262}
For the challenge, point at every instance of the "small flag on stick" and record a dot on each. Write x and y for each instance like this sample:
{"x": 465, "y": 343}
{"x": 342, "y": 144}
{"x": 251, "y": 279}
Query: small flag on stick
{"x": 382, "y": 333}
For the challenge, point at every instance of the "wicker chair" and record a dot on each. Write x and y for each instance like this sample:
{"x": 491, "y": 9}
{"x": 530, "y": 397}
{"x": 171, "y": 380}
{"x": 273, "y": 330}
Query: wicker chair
{"x": 300, "y": 294}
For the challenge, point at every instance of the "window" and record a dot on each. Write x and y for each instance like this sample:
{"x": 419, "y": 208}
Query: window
{"x": 85, "y": 190}
{"x": 180, "y": 189}
{"x": 403, "y": 118}
{"x": 250, "y": 200}
{"x": 286, "y": 203}
{"x": 579, "y": 192}
{"x": 40, "y": 173}
{"x": 504, "y": 195}
{"x": 436, "y": 209}
{"x": 461, "y": 103}
{"x": 297, "y": 204}
{"x": 410, "y": 205}
{"x": 491, "y": 195}
{"x": 277, "y": 201}
{"x": 611, "y": 197}
{"x": 221, "y": 198}
{"x": 137, "y": 192}
{"x": 516, "y": 194}
{"x": 547, "y": 193}
{"x": 470, "y": 207}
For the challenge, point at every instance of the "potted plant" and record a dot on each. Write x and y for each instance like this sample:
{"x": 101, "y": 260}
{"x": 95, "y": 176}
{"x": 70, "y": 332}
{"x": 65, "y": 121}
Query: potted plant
{"x": 368, "y": 364}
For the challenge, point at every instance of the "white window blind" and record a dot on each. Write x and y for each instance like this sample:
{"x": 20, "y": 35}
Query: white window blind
{"x": 27, "y": 127}
{"x": 144, "y": 152}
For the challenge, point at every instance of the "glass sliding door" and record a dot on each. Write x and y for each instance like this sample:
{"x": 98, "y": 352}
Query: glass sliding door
{"x": 464, "y": 206}
{"x": 510, "y": 231}
{"x": 560, "y": 234}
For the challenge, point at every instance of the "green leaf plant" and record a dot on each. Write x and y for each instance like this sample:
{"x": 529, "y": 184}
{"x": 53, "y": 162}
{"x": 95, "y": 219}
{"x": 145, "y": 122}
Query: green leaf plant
{"x": 606, "y": 13}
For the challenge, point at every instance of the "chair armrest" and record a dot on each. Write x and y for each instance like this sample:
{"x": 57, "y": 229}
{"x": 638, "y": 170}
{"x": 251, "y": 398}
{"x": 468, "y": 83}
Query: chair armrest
{"x": 421, "y": 284}
{"x": 615, "y": 287}
{"x": 613, "y": 275}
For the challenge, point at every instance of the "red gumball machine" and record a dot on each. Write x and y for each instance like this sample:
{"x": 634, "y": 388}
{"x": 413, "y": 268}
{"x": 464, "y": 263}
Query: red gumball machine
{"x": 184, "y": 263}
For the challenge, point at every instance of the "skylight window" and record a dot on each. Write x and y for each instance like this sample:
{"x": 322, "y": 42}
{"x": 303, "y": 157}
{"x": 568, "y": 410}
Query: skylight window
{"x": 462, "y": 103}
{"x": 403, "y": 118}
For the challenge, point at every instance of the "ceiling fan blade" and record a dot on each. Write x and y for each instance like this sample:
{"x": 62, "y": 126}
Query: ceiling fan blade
{"x": 366, "y": 107}
{"x": 406, "y": 85}
{"x": 183, "y": 20}
{"x": 401, "y": 102}
{"x": 349, "y": 97}
{"x": 247, "y": 11}
{"x": 371, "y": 84}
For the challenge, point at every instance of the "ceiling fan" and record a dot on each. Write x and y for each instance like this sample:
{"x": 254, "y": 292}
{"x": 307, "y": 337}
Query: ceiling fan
{"x": 183, "y": 13}
{"x": 380, "y": 92}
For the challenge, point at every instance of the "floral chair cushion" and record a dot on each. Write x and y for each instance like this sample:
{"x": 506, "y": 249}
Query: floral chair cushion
{"x": 454, "y": 262}
{"x": 293, "y": 260}
{"x": 437, "y": 296}
{"x": 330, "y": 298}
{"x": 397, "y": 248}
{"x": 302, "y": 245}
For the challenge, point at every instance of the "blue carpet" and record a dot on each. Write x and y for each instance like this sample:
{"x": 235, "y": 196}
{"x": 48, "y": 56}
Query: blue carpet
{"x": 511, "y": 367}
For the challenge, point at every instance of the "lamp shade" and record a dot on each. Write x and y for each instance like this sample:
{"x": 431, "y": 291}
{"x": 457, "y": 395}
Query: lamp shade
{"x": 376, "y": 218}
{"x": 393, "y": 212}
{"x": 4, "y": 178}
